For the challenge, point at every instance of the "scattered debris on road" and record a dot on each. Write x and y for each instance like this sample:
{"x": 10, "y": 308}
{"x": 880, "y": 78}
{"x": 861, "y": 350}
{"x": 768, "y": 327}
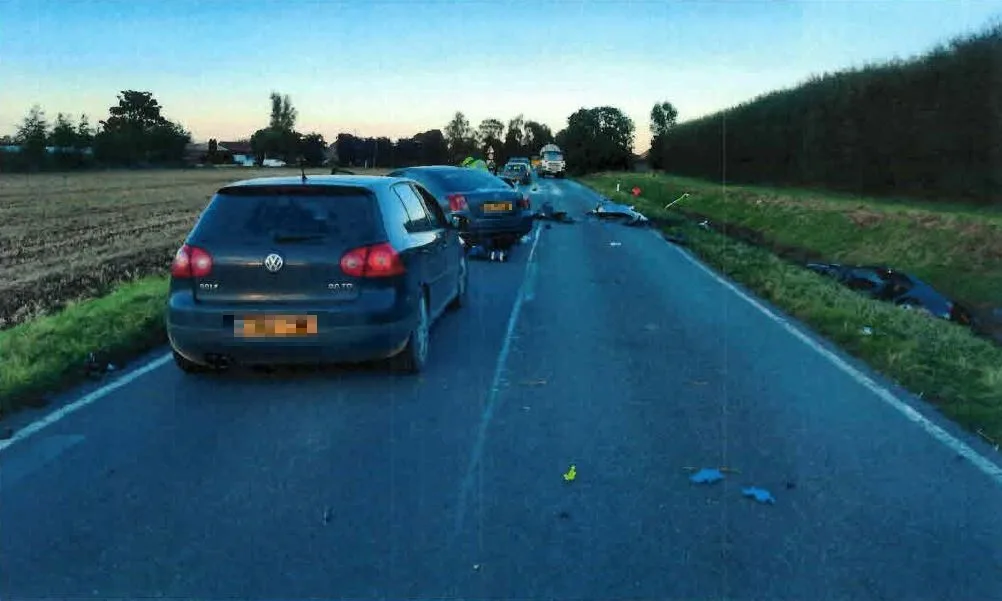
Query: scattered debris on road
{"x": 987, "y": 438}
{"x": 571, "y": 474}
{"x": 759, "y": 494}
{"x": 547, "y": 213}
{"x": 606, "y": 209}
{"x": 706, "y": 476}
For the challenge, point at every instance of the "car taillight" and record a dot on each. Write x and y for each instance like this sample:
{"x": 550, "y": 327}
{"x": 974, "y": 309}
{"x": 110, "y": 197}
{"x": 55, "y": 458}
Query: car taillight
{"x": 191, "y": 262}
{"x": 457, "y": 202}
{"x": 377, "y": 261}
{"x": 524, "y": 202}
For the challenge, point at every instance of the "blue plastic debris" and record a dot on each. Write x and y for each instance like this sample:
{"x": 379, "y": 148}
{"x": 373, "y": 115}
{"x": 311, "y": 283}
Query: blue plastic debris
{"x": 706, "y": 476}
{"x": 759, "y": 494}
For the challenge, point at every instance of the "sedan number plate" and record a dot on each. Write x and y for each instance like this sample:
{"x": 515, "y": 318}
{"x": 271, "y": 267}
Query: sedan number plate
{"x": 272, "y": 326}
{"x": 496, "y": 207}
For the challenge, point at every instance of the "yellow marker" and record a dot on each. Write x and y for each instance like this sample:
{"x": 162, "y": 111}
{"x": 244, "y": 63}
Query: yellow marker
{"x": 571, "y": 474}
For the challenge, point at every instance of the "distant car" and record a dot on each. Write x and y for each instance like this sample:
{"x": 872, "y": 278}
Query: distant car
{"x": 524, "y": 160}
{"x": 490, "y": 211}
{"x": 330, "y": 269}
{"x": 517, "y": 172}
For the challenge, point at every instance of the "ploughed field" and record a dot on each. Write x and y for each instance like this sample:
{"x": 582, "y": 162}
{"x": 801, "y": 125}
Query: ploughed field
{"x": 72, "y": 236}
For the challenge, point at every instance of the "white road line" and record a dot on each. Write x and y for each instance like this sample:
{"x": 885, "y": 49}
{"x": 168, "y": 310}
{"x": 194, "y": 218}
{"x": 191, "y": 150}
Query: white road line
{"x": 87, "y": 399}
{"x": 485, "y": 419}
{"x": 987, "y": 466}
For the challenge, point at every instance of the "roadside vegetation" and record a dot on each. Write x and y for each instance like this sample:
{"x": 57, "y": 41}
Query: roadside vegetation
{"x": 943, "y": 362}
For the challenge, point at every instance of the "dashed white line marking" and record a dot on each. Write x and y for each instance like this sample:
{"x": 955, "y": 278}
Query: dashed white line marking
{"x": 485, "y": 419}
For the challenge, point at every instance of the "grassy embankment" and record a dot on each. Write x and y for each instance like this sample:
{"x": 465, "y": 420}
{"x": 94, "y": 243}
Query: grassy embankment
{"x": 957, "y": 250}
{"x": 83, "y": 258}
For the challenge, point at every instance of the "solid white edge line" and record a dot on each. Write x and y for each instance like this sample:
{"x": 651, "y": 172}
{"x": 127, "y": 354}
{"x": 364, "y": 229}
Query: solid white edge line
{"x": 492, "y": 394}
{"x": 987, "y": 466}
{"x": 87, "y": 399}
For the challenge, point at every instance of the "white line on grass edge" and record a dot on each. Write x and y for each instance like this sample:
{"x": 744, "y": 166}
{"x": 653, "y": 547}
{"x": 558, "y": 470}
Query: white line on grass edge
{"x": 83, "y": 401}
{"x": 987, "y": 466}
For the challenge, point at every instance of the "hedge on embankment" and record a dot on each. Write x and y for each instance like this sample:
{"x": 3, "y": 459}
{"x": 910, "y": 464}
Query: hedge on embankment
{"x": 928, "y": 128}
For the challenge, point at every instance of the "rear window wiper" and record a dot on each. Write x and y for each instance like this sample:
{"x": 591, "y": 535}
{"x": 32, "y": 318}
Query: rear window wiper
{"x": 298, "y": 237}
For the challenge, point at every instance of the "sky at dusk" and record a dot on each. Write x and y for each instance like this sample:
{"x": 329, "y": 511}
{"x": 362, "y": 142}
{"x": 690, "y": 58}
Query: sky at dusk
{"x": 396, "y": 68}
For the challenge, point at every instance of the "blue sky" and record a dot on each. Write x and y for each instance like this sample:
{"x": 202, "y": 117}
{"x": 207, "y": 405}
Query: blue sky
{"x": 396, "y": 68}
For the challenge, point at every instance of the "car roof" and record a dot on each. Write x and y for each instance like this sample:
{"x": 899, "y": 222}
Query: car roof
{"x": 372, "y": 182}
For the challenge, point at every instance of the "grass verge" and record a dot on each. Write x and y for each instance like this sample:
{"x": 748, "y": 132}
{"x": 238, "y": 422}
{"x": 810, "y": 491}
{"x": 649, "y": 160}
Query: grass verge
{"x": 51, "y": 352}
{"x": 945, "y": 363}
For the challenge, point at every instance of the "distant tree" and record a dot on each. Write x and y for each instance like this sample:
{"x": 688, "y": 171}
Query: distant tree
{"x": 537, "y": 135}
{"x": 597, "y": 139}
{"x": 31, "y": 136}
{"x": 137, "y": 133}
{"x": 85, "y": 133}
{"x": 664, "y": 117}
{"x": 514, "y": 138}
{"x": 283, "y": 114}
{"x": 489, "y": 134}
{"x": 460, "y": 137}
{"x": 314, "y": 149}
{"x": 280, "y": 139}
{"x": 434, "y": 148}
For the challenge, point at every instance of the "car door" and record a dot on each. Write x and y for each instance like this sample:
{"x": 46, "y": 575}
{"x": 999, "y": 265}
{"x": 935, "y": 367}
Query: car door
{"x": 431, "y": 244}
{"x": 453, "y": 246}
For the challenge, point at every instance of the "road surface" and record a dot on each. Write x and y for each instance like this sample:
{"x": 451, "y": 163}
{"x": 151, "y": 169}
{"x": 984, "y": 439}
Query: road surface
{"x": 623, "y": 358}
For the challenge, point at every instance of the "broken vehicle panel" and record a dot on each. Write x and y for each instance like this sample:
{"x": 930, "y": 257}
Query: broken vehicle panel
{"x": 610, "y": 210}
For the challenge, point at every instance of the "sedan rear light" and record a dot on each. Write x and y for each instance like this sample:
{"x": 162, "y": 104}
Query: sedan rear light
{"x": 524, "y": 202}
{"x": 191, "y": 262}
{"x": 457, "y": 202}
{"x": 376, "y": 261}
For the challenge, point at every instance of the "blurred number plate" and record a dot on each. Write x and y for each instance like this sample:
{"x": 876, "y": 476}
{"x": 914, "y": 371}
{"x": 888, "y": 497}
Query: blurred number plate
{"x": 493, "y": 207}
{"x": 272, "y": 326}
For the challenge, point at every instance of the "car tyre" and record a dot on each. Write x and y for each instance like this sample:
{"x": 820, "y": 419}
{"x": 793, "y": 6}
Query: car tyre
{"x": 188, "y": 367}
{"x": 412, "y": 359}
{"x": 461, "y": 285}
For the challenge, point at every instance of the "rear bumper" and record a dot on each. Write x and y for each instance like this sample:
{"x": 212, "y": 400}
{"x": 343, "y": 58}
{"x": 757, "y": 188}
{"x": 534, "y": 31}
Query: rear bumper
{"x": 198, "y": 331}
{"x": 518, "y": 225}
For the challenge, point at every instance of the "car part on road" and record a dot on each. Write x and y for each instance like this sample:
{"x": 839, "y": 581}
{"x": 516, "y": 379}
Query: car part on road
{"x": 759, "y": 494}
{"x": 707, "y": 476}
{"x": 606, "y": 209}
{"x": 547, "y": 213}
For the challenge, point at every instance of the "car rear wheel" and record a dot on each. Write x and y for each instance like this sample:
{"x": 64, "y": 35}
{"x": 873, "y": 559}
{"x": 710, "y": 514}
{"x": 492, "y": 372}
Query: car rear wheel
{"x": 464, "y": 278}
{"x": 412, "y": 359}
{"x": 188, "y": 367}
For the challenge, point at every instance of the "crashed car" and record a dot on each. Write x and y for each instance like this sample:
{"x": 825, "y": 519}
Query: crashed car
{"x": 606, "y": 209}
{"x": 889, "y": 285}
{"x": 516, "y": 172}
{"x": 491, "y": 213}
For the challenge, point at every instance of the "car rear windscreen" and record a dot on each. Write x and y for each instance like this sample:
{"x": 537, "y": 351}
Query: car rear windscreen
{"x": 314, "y": 213}
{"x": 552, "y": 156}
{"x": 460, "y": 180}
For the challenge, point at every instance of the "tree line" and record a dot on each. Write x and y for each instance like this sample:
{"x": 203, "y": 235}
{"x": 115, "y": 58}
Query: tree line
{"x": 137, "y": 134}
{"x": 928, "y": 128}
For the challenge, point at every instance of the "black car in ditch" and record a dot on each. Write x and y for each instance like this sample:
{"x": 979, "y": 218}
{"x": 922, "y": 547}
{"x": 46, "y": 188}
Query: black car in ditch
{"x": 314, "y": 270}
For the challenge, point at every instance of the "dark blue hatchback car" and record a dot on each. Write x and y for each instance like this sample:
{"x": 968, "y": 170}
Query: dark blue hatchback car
{"x": 312, "y": 270}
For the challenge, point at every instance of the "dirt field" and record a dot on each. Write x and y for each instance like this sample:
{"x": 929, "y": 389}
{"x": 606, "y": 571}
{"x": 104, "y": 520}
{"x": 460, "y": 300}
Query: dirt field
{"x": 65, "y": 237}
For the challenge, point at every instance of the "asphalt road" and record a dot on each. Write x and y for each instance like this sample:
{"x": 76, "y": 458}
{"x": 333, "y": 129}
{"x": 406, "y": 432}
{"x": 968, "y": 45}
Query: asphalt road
{"x": 628, "y": 361}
